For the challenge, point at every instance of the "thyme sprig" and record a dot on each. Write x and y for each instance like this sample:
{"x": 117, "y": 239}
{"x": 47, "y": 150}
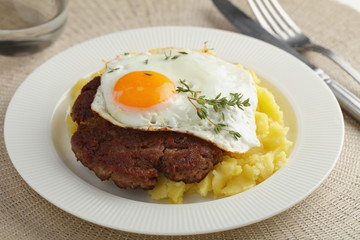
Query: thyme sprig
{"x": 205, "y": 48}
{"x": 112, "y": 70}
{"x": 168, "y": 56}
{"x": 218, "y": 104}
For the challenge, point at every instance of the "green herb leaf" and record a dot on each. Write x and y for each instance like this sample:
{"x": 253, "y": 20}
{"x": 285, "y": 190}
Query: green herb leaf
{"x": 217, "y": 129}
{"x": 235, "y": 135}
{"x": 201, "y": 103}
{"x": 202, "y": 113}
{"x": 112, "y": 70}
{"x": 167, "y": 57}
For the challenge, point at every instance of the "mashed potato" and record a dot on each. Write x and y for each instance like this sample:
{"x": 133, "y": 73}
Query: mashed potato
{"x": 237, "y": 172}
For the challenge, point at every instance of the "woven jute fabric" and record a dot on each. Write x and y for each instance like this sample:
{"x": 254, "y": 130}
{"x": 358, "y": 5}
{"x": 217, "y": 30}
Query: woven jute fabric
{"x": 332, "y": 211}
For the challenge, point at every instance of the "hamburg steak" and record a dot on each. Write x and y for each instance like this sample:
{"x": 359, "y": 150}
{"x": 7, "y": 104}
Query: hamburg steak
{"x": 133, "y": 158}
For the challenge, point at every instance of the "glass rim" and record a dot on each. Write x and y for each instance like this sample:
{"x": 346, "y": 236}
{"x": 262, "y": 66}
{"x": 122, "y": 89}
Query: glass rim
{"x": 61, "y": 14}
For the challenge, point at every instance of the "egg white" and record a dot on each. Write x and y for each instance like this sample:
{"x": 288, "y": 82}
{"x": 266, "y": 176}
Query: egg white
{"x": 204, "y": 72}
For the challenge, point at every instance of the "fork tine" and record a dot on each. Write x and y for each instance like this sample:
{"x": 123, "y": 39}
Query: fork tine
{"x": 267, "y": 14}
{"x": 285, "y": 17}
{"x": 263, "y": 22}
{"x": 278, "y": 17}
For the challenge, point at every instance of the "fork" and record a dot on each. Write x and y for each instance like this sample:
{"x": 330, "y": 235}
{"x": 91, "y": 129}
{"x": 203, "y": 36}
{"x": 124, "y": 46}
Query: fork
{"x": 274, "y": 19}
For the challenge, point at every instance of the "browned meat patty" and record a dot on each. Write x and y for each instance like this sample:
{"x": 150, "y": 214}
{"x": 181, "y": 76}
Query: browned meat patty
{"x": 134, "y": 158}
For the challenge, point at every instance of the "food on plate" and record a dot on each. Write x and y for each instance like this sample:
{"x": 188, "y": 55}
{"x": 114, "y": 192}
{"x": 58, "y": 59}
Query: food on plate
{"x": 177, "y": 121}
{"x": 239, "y": 172}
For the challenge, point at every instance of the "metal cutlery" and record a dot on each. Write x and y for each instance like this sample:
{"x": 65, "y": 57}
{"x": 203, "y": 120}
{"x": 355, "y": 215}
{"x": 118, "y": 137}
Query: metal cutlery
{"x": 276, "y": 21}
{"x": 347, "y": 100}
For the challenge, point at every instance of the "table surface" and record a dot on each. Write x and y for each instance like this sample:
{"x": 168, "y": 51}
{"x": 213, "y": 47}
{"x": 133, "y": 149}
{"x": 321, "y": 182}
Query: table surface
{"x": 331, "y": 212}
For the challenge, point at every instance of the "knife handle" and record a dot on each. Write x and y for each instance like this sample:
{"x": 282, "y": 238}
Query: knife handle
{"x": 349, "y": 102}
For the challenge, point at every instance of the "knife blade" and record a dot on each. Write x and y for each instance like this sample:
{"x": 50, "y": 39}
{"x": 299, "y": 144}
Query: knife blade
{"x": 347, "y": 100}
{"x": 249, "y": 27}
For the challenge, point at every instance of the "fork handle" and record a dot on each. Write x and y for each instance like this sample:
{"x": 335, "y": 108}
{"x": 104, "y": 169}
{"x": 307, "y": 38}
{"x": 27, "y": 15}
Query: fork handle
{"x": 335, "y": 58}
{"x": 347, "y": 100}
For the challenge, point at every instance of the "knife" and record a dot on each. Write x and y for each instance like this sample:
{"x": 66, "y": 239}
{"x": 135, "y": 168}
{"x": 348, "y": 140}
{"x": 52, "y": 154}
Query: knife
{"x": 347, "y": 100}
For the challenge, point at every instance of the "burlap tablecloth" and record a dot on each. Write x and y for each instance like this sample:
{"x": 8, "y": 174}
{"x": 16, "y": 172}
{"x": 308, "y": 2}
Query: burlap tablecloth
{"x": 330, "y": 212}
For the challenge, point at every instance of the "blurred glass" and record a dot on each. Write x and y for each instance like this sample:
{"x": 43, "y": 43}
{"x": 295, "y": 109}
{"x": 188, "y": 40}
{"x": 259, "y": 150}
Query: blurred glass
{"x": 29, "y": 26}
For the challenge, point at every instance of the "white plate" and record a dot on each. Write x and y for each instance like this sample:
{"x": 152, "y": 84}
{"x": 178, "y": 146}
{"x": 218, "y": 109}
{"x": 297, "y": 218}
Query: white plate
{"x": 39, "y": 149}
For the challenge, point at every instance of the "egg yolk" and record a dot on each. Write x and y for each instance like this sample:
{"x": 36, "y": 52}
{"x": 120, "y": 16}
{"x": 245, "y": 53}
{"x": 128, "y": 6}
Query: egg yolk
{"x": 143, "y": 89}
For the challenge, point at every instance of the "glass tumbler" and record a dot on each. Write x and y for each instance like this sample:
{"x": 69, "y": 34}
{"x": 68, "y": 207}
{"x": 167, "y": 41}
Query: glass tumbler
{"x": 29, "y": 26}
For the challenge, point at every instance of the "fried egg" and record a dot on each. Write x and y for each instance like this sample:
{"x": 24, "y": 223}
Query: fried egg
{"x": 139, "y": 91}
